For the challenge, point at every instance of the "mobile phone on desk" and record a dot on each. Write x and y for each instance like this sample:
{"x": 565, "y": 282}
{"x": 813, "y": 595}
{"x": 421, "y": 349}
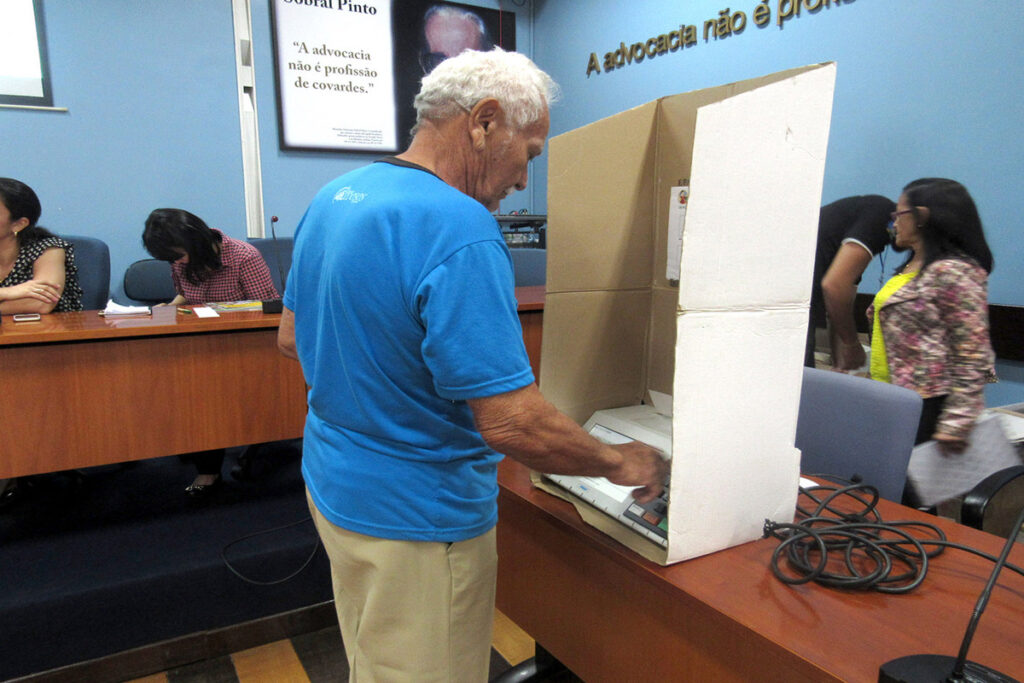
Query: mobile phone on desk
{"x": 25, "y": 317}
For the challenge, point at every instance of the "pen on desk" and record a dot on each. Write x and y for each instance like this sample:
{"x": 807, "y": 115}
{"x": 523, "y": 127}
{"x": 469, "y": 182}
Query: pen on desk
{"x": 185, "y": 310}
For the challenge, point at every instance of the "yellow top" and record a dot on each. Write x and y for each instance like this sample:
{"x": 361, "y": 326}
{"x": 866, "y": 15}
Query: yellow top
{"x": 879, "y": 362}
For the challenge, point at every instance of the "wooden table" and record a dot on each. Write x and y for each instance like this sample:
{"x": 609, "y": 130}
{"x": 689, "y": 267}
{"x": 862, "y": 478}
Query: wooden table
{"x": 611, "y": 615}
{"x": 82, "y": 390}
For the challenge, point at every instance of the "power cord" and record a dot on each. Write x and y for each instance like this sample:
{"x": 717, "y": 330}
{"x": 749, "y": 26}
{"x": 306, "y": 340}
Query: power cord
{"x": 227, "y": 563}
{"x": 873, "y": 554}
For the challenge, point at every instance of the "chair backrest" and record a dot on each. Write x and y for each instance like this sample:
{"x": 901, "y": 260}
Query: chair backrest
{"x": 994, "y": 503}
{"x": 149, "y": 281}
{"x": 277, "y": 252}
{"x": 530, "y": 266}
{"x": 92, "y": 258}
{"x": 855, "y": 428}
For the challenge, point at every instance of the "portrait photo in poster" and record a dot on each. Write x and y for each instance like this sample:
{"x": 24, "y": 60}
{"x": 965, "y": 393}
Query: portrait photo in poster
{"x": 425, "y": 32}
{"x": 347, "y": 72}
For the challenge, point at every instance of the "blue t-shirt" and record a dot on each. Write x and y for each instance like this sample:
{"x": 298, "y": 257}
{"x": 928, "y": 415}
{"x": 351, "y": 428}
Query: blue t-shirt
{"x": 404, "y": 302}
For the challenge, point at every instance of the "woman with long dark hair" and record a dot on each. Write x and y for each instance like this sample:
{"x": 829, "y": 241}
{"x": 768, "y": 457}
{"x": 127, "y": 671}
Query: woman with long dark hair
{"x": 206, "y": 266}
{"x": 37, "y": 268}
{"x": 930, "y": 321}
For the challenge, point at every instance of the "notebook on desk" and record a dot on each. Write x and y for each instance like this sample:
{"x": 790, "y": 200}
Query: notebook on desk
{"x": 621, "y": 425}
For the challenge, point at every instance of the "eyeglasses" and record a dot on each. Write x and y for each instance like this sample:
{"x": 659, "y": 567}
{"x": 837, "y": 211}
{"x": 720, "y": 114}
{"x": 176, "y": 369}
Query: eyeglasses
{"x": 896, "y": 214}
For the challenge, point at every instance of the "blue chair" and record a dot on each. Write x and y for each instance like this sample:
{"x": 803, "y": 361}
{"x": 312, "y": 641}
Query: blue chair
{"x": 277, "y": 252}
{"x": 92, "y": 258}
{"x": 530, "y": 266}
{"x": 859, "y": 429}
{"x": 149, "y": 281}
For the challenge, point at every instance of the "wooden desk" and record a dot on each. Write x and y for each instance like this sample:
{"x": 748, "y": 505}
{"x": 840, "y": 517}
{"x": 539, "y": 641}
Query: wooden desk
{"x": 82, "y": 390}
{"x": 610, "y": 615}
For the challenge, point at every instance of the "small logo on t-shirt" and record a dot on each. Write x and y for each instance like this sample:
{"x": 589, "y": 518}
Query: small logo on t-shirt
{"x": 346, "y": 194}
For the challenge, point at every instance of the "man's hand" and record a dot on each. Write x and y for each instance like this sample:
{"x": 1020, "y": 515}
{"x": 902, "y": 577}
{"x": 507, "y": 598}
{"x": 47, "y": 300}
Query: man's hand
{"x": 847, "y": 357}
{"x": 641, "y": 466}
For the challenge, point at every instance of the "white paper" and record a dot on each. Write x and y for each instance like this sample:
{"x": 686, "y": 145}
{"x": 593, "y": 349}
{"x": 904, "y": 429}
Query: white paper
{"x": 1012, "y": 422}
{"x": 335, "y": 74}
{"x": 117, "y": 309}
{"x": 205, "y": 312}
{"x": 938, "y": 476}
{"x": 662, "y": 402}
{"x": 678, "y": 200}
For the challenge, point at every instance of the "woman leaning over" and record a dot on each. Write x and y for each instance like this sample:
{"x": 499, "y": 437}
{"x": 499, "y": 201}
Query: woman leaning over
{"x": 930, "y": 321}
{"x": 206, "y": 266}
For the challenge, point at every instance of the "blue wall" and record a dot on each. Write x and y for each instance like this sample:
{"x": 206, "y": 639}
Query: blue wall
{"x": 924, "y": 88}
{"x": 152, "y": 121}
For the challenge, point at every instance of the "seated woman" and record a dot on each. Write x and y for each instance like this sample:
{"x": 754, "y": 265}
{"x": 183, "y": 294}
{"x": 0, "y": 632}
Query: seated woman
{"x": 930, "y": 321}
{"x": 206, "y": 266}
{"x": 37, "y": 269}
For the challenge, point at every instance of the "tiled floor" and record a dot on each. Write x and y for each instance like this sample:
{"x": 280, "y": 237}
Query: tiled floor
{"x": 318, "y": 657}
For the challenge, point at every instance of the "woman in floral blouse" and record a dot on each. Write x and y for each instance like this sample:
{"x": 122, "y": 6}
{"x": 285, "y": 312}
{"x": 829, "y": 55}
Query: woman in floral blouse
{"x": 930, "y": 321}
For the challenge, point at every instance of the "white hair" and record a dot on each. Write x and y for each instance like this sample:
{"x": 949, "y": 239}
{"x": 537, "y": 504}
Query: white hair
{"x": 458, "y": 83}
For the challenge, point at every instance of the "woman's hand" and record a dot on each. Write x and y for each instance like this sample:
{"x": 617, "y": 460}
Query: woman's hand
{"x": 42, "y": 290}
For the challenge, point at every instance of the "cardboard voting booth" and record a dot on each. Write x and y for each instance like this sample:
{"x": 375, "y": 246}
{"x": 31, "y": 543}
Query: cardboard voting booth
{"x": 680, "y": 251}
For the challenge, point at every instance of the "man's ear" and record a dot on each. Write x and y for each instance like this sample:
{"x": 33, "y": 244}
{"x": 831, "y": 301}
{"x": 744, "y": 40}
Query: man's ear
{"x": 482, "y": 119}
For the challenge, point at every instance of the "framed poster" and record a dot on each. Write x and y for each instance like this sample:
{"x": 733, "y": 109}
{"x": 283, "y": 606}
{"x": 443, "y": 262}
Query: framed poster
{"x": 24, "y": 70}
{"x": 347, "y": 72}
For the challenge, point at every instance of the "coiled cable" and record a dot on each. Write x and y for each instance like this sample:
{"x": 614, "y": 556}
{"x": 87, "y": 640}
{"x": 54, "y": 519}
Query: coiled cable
{"x": 843, "y": 542}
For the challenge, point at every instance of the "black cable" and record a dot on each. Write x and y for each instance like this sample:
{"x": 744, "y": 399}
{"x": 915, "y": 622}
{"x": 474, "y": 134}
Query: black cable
{"x": 227, "y": 563}
{"x": 875, "y": 555}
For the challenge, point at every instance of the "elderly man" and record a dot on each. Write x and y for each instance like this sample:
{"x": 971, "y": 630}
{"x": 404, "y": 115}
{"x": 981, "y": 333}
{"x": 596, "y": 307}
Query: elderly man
{"x": 401, "y": 309}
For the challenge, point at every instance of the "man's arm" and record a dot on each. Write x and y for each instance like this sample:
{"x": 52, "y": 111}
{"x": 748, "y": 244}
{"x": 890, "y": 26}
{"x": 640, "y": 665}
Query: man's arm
{"x": 839, "y": 290}
{"x": 523, "y": 425}
{"x": 286, "y": 334}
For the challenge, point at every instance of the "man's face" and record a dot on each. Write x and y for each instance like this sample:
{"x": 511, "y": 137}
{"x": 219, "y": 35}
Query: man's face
{"x": 504, "y": 160}
{"x": 448, "y": 37}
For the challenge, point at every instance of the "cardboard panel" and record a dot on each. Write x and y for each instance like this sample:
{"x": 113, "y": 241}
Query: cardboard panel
{"x": 600, "y": 184}
{"x": 736, "y": 395}
{"x": 758, "y": 163}
{"x": 728, "y": 342}
{"x": 593, "y": 355}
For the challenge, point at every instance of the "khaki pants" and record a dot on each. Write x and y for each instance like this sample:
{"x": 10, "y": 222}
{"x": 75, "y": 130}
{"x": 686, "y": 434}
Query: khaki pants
{"x": 412, "y": 610}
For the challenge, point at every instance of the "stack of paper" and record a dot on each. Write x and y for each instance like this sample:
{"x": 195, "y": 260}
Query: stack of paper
{"x": 117, "y": 309}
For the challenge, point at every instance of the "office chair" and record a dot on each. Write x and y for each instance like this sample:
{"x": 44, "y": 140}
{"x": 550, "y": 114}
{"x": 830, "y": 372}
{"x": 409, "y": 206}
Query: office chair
{"x": 853, "y": 428}
{"x": 278, "y": 255}
{"x": 994, "y": 503}
{"x": 92, "y": 258}
{"x": 149, "y": 281}
{"x": 530, "y": 266}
